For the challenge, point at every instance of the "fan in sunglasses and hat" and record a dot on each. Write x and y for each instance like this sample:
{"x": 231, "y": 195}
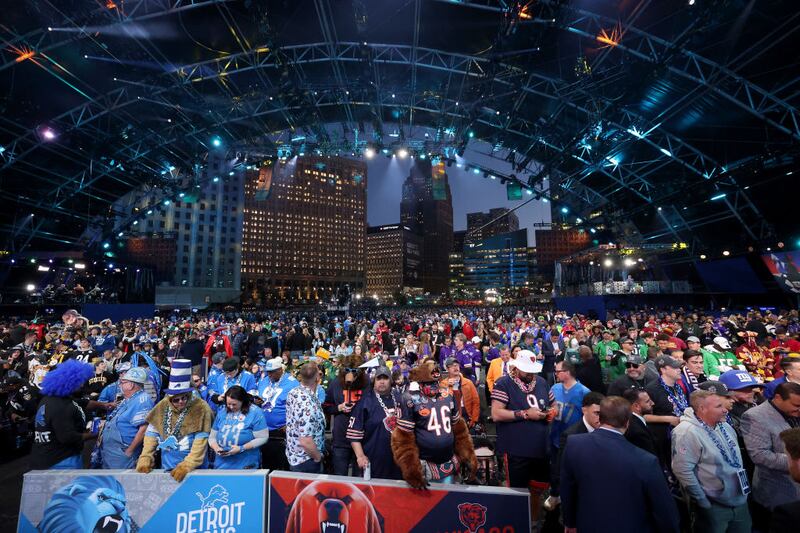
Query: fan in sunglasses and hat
{"x": 179, "y": 426}
{"x": 635, "y": 376}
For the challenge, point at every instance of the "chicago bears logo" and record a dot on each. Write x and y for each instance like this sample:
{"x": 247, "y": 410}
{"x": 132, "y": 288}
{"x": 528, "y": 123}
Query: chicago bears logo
{"x": 390, "y": 422}
{"x": 424, "y": 412}
{"x": 472, "y": 515}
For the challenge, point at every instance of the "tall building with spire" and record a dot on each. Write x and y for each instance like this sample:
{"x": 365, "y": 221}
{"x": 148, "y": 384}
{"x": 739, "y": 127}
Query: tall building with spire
{"x": 427, "y": 208}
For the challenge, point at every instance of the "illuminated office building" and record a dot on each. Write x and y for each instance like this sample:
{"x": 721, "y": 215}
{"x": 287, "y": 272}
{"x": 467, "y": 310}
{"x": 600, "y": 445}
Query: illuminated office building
{"x": 304, "y": 230}
{"x": 496, "y": 221}
{"x": 199, "y": 233}
{"x": 427, "y": 208}
{"x": 456, "y": 263}
{"x": 499, "y": 262}
{"x": 394, "y": 258}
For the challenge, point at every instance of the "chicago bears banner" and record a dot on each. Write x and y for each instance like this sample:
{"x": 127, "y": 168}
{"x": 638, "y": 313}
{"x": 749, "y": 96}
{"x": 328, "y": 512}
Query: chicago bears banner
{"x": 300, "y": 503}
{"x": 123, "y": 501}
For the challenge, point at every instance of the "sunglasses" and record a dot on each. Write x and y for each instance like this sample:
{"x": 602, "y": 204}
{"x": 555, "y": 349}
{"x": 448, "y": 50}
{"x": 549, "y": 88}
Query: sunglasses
{"x": 179, "y": 399}
{"x": 348, "y": 369}
{"x": 632, "y": 365}
{"x": 196, "y": 381}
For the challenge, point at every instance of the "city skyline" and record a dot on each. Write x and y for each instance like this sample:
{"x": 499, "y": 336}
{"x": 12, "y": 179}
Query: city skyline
{"x": 470, "y": 193}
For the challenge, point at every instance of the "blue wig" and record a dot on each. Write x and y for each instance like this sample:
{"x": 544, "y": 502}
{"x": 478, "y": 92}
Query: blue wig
{"x": 66, "y": 378}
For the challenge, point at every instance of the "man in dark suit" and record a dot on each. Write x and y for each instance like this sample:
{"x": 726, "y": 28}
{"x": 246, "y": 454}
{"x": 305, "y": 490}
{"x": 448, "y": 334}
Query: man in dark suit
{"x": 638, "y": 434}
{"x": 603, "y": 462}
{"x": 553, "y": 347}
{"x": 589, "y": 372}
{"x": 786, "y": 517}
{"x": 590, "y": 407}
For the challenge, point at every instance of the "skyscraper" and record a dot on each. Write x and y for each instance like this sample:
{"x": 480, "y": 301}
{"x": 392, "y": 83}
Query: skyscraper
{"x": 205, "y": 228}
{"x": 394, "y": 257}
{"x": 497, "y": 263}
{"x": 304, "y": 231}
{"x": 484, "y": 225}
{"x": 427, "y": 208}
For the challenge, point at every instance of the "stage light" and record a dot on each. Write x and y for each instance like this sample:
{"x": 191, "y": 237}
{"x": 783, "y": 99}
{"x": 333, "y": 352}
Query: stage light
{"x": 476, "y": 170}
{"x": 607, "y": 263}
{"x": 718, "y": 196}
{"x": 30, "y": 287}
{"x": 691, "y": 2}
{"x": 80, "y": 266}
{"x": 703, "y": 256}
{"x": 33, "y": 260}
{"x": 402, "y": 153}
{"x": 579, "y": 220}
{"x": 149, "y": 211}
{"x": 726, "y": 253}
{"x": 422, "y": 156}
{"x": 565, "y": 210}
{"x": 48, "y": 134}
{"x": 42, "y": 268}
{"x": 666, "y": 152}
{"x": 50, "y": 261}
{"x": 591, "y": 263}
{"x": 120, "y": 234}
{"x": 166, "y": 202}
{"x": 659, "y": 209}
{"x": 640, "y": 260}
{"x": 369, "y": 153}
{"x": 471, "y": 134}
{"x": 180, "y": 195}
{"x": 528, "y": 191}
{"x": 106, "y": 246}
{"x": 592, "y": 230}
{"x": 630, "y": 262}
{"x": 216, "y": 142}
{"x": 111, "y": 265}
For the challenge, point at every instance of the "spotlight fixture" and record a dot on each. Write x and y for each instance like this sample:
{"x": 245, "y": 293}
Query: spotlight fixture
{"x": 48, "y": 134}
{"x": 216, "y": 142}
{"x": 703, "y": 256}
{"x": 726, "y": 253}
{"x": 607, "y": 263}
{"x": 30, "y": 287}
{"x": 369, "y": 153}
{"x": 402, "y": 153}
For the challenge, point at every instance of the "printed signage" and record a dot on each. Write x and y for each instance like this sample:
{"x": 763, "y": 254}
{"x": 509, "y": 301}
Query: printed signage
{"x": 300, "y": 503}
{"x": 124, "y": 501}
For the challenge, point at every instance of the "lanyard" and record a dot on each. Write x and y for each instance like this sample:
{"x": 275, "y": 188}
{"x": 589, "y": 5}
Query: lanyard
{"x": 731, "y": 459}
{"x": 677, "y": 399}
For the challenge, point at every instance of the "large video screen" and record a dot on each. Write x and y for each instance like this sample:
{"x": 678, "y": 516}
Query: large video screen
{"x": 784, "y": 266}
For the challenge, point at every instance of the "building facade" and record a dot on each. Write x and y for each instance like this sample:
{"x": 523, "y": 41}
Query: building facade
{"x": 456, "y": 262}
{"x": 483, "y": 225}
{"x": 427, "y": 209}
{"x": 205, "y": 225}
{"x": 304, "y": 232}
{"x": 553, "y": 244}
{"x": 394, "y": 259}
{"x": 498, "y": 263}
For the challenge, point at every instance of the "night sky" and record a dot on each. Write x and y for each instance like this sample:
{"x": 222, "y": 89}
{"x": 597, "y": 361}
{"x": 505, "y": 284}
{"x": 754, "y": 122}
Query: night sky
{"x": 471, "y": 192}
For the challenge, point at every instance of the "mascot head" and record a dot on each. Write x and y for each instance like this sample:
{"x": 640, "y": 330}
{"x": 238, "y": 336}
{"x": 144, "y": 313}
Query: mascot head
{"x": 332, "y": 508}
{"x": 428, "y": 384}
{"x": 350, "y": 375}
{"x": 67, "y": 378}
{"x": 93, "y": 504}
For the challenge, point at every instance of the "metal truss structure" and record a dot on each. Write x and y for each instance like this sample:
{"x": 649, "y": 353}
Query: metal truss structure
{"x": 595, "y": 148}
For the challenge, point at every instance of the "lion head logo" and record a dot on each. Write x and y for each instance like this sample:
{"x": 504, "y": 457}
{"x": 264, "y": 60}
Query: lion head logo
{"x": 217, "y": 494}
{"x": 88, "y": 503}
{"x": 472, "y": 515}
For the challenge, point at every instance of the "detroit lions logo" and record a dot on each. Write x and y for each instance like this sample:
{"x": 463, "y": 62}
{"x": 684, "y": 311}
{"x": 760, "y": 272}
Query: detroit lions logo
{"x": 170, "y": 443}
{"x": 217, "y": 494}
{"x": 472, "y": 515}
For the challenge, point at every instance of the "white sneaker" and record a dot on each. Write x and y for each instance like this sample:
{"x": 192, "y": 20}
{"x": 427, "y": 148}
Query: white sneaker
{"x": 552, "y": 502}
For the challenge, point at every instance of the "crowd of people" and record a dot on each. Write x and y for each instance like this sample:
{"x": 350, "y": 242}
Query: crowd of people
{"x": 647, "y": 421}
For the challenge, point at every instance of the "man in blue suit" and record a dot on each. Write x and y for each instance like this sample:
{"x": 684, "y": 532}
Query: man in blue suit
{"x": 600, "y": 471}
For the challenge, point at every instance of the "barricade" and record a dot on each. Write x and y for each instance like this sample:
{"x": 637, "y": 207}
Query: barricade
{"x": 334, "y": 504}
{"x": 123, "y": 501}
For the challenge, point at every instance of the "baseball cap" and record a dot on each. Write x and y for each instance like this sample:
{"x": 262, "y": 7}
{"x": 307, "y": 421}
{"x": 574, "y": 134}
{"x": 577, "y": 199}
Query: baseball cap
{"x": 737, "y": 380}
{"x": 476, "y": 339}
{"x": 276, "y": 363}
{"x": 450, "y": 361}
{"x": 722, "y": 342}
{"x": 665, "y": 360}
{"x": 231, "y": 364}
{"x": 136, "y": 375}
{"x": 382, "y": 371}
{"x": 623, "y": 340}
{"x": 217, "y": 358}
{"x": 526, "y": 362}
{"x": 123, "y": 367}
{"x": 714, "y": 387}
{"x": 692, "y": 339}
{"x": 634, "y": 359}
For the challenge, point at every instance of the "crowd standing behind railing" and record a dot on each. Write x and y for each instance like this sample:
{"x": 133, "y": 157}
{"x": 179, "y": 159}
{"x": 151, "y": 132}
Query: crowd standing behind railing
{"x": 706, "y": 401}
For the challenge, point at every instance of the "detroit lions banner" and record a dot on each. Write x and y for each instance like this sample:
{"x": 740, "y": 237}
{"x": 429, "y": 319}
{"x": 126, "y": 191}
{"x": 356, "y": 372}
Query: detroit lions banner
{"x": 299, "y": 503}
{"x": 123, "y": 501}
